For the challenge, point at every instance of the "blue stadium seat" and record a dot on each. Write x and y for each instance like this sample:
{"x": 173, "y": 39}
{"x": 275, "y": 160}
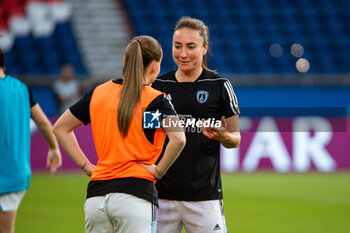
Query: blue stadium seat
{"x": 51, "y": 62}
{"x": 11, "y": 63}
{"x": 246, "y": 28}
{"x": 32, "y": 55}
{"x": 45, "y": 44}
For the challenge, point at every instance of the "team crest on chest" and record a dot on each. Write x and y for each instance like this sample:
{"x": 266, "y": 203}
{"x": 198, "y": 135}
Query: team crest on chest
{"x": 202, "y": 96}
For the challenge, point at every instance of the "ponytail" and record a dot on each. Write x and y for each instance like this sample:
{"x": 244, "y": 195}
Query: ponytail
{"x": 140, "y": 52}
{"x": 132, "y": 84}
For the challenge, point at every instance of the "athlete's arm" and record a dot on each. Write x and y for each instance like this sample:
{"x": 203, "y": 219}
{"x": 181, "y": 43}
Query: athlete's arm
{"x": 63, "y": 129}
{"x": 177, "y": 141}
{"x": 54, "y": 159}
{"x": 228, "y": 134}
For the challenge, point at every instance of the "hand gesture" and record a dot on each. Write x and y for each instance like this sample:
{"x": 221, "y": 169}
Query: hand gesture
{"x": 54, "y": 160}
{"x": 216, "y": 133}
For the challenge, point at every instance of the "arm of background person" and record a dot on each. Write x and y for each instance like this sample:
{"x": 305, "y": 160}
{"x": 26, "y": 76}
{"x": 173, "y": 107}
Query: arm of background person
{"x": 54, "y": 159}
{"x": 177, "y": 141}
{"x": 228, "y": 134}
{"x": 63, "y": 129}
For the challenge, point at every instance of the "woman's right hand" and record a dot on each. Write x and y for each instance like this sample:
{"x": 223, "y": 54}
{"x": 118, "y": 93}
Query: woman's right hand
{"x": 88, "y": 168}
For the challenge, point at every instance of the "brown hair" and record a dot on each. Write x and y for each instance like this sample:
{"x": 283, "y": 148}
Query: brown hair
{"x": 198, "y": 25}
{"x": 139, "y": 53}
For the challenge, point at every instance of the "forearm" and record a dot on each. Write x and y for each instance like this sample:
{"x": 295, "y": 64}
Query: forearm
{"x": 64, "y": 131}
{"x": 70, "y": 145}
{"x": 46, "y": 131}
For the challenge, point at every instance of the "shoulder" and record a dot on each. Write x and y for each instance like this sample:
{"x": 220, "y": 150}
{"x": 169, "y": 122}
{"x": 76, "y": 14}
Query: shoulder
{"x": 166, "y": 78}
{"x": 118, "y": 81}
{"x": 163, "y": 104}
{"x": 165, "y": 81}
{"x": 18, "y": 83}
{"x": 152, "y": 91}
{"x": 111, "y": 84}
{"x": 212, "y": 77}
{"x": 15, "y": 80}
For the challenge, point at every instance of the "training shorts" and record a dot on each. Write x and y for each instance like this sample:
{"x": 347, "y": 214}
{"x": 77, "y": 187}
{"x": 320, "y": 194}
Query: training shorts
{"x": 119, "y": 212}
{"x": 11, "y": 201}
{"x": 195, "y": 216}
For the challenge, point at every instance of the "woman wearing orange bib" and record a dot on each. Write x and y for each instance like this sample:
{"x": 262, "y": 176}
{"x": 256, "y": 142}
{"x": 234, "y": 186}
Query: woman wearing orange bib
{"x": 129, "y": 136}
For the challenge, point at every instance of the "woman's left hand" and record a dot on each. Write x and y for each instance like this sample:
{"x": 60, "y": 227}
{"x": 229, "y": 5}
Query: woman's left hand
{"x": 216, "y": 133}
{"x": 227, "y": 134}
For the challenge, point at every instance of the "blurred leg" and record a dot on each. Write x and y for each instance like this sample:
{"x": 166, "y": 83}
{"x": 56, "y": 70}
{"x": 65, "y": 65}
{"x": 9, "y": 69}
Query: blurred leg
{"x": 7, "y": 221}
{"x": 169, "y": 217}
{"x": 9, "y": 204}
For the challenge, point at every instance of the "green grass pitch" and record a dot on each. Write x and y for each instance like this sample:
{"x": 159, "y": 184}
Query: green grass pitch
{"x": 259, "y": 202}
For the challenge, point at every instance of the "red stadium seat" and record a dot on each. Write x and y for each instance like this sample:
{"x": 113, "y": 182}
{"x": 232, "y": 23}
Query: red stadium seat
{"x": 15, "y": 10}
{"x": 3, "y": 25}
{"x": 29, "y": 1}
{"x": 2, "y": 13}
{"x": 53, "y": 1}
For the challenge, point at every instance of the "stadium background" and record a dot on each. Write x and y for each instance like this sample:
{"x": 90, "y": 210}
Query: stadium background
{"x": 289, "y": 63}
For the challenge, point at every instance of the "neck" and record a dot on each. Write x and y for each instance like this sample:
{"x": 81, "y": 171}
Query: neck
{"x": 190, "y": 76}
{"x": 2, "y": 73}
{"x": 147, "y": 80}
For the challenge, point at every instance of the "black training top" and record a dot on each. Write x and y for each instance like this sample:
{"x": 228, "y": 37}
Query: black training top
{"x": 141, "y": 188}
{"x": 195, "y": 175}
{"x": 31, "y": 98}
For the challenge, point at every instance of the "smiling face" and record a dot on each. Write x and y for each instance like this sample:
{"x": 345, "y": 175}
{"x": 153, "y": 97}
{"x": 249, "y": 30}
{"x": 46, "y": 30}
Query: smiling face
{"x": 188, "y": 49}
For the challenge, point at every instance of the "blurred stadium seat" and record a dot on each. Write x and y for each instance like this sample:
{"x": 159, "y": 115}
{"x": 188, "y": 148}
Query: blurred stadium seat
{"x": 38, "y": 37}
{"x": 243, "y": 30}
{"x": 254, "y": 42}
